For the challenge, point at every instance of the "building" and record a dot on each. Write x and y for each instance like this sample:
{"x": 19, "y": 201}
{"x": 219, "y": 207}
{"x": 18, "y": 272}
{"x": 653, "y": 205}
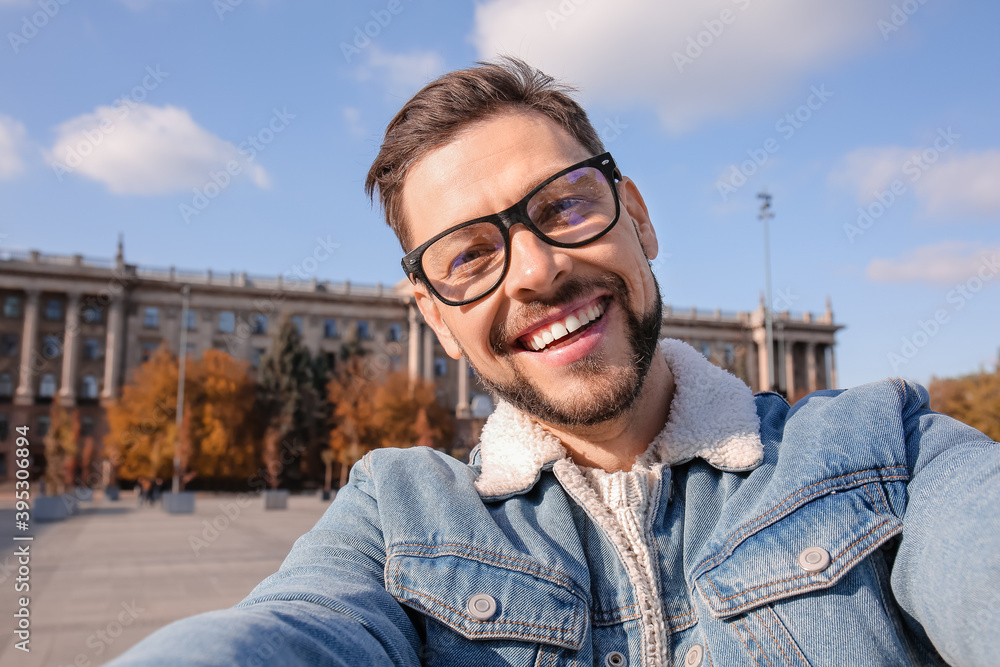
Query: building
{"x": 73, "y": 329}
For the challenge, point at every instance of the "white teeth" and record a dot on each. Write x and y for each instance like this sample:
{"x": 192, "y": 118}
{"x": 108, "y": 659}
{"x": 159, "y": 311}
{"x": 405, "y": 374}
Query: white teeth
{"x": 558, "y": 330}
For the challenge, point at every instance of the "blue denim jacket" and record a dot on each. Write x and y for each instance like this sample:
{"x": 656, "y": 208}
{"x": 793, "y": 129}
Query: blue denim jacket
{"x": 896, "y": 505}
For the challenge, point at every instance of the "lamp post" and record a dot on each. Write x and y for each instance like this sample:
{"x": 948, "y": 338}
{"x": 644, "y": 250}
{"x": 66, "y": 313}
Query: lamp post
{"x": 182, "y": 357}
{"x": 765, "y": 215}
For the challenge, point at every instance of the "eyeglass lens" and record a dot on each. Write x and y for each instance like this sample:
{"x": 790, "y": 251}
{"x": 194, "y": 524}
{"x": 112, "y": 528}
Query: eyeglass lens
{"x": 572, "y": 209}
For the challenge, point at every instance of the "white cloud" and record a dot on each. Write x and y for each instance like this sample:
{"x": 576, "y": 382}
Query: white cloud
{"x": 404, "y": 73}
{"x": 12, "y": 136}
{"x": 946, "y": 263}
{"x": 352, "y": 118}
{"x": 949, "y": 185}
{"x": 633, "y": 51}
{"x": 144, "y": 150}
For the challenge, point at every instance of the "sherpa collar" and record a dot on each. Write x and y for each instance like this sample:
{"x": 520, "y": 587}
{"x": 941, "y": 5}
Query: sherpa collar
{"x": 712, "y": 415}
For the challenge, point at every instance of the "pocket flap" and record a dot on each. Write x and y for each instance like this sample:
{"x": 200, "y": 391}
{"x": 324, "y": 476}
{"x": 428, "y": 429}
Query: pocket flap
{"x": 532, "y": 603}
{"x": 841, "y": 526}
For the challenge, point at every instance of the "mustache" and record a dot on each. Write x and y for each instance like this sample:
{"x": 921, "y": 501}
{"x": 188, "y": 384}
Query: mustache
{"x": 529, "y": 312}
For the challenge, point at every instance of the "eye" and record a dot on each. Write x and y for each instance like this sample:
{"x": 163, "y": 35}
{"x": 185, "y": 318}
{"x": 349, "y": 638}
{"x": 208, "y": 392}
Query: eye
{"x": 472, "y": 258}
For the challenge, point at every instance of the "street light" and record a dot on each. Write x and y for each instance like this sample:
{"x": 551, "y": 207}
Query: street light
{"x": 185, "y": 298}
{"x": 766, "y": 215}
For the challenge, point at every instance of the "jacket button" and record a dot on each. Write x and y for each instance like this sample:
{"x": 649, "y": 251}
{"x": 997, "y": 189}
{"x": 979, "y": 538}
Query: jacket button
{"x": 694, "y": 656}
{"x": 481, "y": 606}
{"x": 814, "y": 559}
{"x": 614, "y": 659}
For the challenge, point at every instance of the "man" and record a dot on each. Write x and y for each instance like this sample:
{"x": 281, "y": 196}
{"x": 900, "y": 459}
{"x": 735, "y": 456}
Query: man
{"x": 629, "y": 503}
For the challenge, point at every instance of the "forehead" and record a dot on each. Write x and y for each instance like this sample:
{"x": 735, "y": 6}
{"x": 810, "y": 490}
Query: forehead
{"x": 487, "y": 167}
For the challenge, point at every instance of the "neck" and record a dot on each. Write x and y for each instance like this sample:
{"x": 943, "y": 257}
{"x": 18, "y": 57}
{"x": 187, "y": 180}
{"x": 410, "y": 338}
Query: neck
{"x": 615, "y": 444}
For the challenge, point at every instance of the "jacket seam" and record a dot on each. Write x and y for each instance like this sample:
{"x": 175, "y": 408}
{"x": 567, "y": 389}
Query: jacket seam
{"x": 744, "y": 530}
{"x": 791, "y": 642}
{"x": 763, "y": 624}
{"x": 760, "y": 646}
{"x": 739, "y": 635}
{"x": 501, "y": 561}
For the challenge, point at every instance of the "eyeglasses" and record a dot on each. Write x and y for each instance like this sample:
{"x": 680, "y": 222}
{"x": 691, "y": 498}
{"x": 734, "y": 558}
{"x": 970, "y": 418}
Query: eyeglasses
{"x": 569, "y": 209}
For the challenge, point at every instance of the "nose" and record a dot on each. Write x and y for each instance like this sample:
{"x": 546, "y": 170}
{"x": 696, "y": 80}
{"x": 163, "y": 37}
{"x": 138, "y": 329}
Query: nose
{"x": 535, "y": 266}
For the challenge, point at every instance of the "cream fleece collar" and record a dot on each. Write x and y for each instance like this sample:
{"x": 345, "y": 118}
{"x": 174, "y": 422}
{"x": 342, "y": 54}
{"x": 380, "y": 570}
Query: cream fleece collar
{"x": 712, "y": 416}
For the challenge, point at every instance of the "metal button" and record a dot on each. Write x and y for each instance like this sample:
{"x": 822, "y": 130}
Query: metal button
{"x": 814, "y": 559}
{"x": 614, "y": 659}
{"x": 481, "y": 607}
{"x": 694, "y": 656}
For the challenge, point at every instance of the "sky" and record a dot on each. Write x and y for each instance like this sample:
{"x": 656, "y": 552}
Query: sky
{"x": 235, "y": 135}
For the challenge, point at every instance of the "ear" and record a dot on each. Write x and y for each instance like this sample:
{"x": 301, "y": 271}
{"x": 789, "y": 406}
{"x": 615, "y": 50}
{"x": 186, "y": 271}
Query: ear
{"x": 430, "y": 309}
{"x": 634, "y": 205}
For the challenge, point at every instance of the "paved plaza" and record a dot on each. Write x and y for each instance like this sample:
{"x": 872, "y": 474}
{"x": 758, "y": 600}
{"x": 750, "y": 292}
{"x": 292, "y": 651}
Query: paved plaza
{"x": 107, "y": 577}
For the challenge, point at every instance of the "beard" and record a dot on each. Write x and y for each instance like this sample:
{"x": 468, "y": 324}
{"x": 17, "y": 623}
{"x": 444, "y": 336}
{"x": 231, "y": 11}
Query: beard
{"x": 614, "y": 389}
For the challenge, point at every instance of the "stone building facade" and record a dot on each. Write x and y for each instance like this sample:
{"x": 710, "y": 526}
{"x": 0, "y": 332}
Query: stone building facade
{"x": 72, "y": 331}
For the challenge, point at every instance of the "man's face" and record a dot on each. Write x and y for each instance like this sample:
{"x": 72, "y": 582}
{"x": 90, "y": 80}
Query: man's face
{"x": 581, "y": 378}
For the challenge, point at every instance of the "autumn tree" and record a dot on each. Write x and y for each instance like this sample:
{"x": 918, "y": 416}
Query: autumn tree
{"x": 352, "y": 394}
{"x": 973, "y": 399}
{"x": 288, "y": 403}
{"x": 61, "y": 445}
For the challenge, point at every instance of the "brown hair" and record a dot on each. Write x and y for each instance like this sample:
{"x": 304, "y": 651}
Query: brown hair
{"x": 448, "y": 104}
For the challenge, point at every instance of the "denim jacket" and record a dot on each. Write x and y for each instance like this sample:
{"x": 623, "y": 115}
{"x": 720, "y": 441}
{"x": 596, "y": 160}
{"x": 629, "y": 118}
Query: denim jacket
{"x": 854, "y": 528}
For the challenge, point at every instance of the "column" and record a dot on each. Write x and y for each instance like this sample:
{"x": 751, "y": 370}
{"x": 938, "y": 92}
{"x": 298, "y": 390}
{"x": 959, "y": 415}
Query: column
{"x": 462, "y": 410}
{"x": 811, "y": 365}
{"x": 71, "y": 352}
{"x": 752, "y": 366}
{"x": 833, "y": 368}
{"x": 428, "y": 353}
{"x": 25, "y": 394}
{"x": 413, "y": 360}
{"x": 114, "y": 347}
{"x": 790, "y": 369}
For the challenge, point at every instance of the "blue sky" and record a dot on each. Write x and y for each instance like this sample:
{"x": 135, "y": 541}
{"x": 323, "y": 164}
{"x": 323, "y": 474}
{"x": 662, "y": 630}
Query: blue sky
{"x": 236, "y": 134}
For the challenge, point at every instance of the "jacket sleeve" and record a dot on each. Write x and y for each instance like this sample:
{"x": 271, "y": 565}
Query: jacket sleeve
{"x": 327, "y": 604}
{"x": 946, "y": 576}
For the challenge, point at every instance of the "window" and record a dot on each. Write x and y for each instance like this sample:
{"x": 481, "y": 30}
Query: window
{"x": 730, "y": 354}
{"x": 8, "y": 345}
{"x": 330, "y": 328}
{"x": 440, "y": 367}
{"x": 4, "y": 428}
{"x": 53, "y": 309}
{"x": 89, "y": 387}
{"x": 364, "y": 330}
{"x": 87, "y": 427}
{"x": 11, "y": 306}
{"x": 297, "y": 321}
{"x": 192, "y": 320}
{"x": 706, "y": 350}
{"x": 191, "y": 350}
{"x": 6, "y": 384}
{"x": 395, "y": 362}
{"x": 255, "y": 356}
{"x": 3, "y": 464}
{"x": 43, "y": 426}
{"x": 147, "y": 350}
{"x": 151, "y": 318}
{"x": 91, "y": 348}
{"x": 395, "y": 332}
{"x": 91, "y": 314}
{"x": 259, "y": 323}
{"x": 51, "y": 347}
{"x": 227, "y": 321}
{"x": 47, "y": 387}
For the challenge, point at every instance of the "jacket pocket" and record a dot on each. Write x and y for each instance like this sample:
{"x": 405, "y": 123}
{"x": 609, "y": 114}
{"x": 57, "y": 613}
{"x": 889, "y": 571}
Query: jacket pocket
{"x": 484, "y": 595}
{"x": 811, "y": 548}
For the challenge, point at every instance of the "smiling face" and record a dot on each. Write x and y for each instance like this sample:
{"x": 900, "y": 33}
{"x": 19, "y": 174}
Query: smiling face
{"x": 569, "y": 334}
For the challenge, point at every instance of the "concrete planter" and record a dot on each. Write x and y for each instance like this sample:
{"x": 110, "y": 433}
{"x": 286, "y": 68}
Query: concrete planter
{"x": 51, "y": 508}
{"x": 84, "y": 494}
{"x": 179, "y": 503}
{"x": 111, "y": 493}
{"x": 276, "y": 499}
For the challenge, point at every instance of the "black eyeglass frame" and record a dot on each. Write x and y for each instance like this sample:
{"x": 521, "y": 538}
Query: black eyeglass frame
{"x": 412, "y": 261}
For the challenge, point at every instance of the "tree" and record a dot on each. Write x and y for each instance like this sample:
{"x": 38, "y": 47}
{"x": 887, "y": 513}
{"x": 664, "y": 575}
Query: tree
{"x": 61, "y": 445}
{"x": 288, "y": 403}
{"x": 352, "y": 393}
{"x": 973, "y": 399}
